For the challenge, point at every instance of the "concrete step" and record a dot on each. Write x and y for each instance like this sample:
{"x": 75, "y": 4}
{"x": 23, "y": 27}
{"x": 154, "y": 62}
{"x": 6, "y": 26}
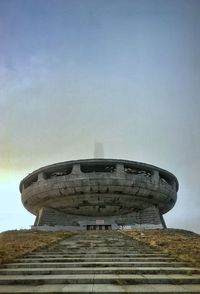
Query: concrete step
{"x": 119, "y": 279}
{"x": 98, "y": 263}
{"x": 101, "y": 289}
{"x": 93, "y": 264}
{"x": 96, "y": 270}
{"x": 107, "y": 249}
{"x": 94, "y": 251}
{"x": 45, "y": 254}
{"x": 94, "y": 259}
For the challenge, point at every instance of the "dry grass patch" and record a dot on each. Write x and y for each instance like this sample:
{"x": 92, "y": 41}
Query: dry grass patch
{"x": 183, "y": 245}
{"x": 20, "y": 242}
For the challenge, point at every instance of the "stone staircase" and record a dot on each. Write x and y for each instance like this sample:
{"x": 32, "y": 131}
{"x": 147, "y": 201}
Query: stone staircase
{"x": 98, "y": 262}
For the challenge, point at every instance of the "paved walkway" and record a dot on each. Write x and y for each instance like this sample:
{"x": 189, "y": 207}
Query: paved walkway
{"x": 98, "y": 262}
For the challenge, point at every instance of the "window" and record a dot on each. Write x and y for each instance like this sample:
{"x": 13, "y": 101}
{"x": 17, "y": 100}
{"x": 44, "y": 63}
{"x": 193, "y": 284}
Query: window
{"x": 101, "y": 168}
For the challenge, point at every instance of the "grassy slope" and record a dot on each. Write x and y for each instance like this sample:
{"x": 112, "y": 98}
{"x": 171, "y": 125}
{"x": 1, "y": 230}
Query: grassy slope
{"x": 183, "y": 245}
{"x": 17, "y": 243}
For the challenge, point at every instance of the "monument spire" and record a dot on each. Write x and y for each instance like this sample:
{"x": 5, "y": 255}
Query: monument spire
{"x": 98, "y": 150}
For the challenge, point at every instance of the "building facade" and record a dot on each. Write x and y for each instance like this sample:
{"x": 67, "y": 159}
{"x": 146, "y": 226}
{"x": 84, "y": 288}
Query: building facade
{"x": 99, "y": 194}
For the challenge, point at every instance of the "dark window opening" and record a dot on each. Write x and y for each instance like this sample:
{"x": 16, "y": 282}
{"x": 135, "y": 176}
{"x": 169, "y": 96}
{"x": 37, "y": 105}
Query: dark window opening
{"x": 145, "y": 173}
{"x": 30, "y": 181}
{"x": 85, "y": 203}
{"x": 102, "y": 206}
{"x": 117, "y": 192}
{"x": 59, "y": 172}
{"x": 107, "y": 227}
{"x": 98, "y": 227}
{"x": 129, "y": 169}
{"x": 101, "y": 168}
{"x": 165, "y": 179}
{"x": 150, "y": 196}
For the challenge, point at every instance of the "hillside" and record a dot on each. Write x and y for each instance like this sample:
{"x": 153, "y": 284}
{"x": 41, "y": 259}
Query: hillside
{"x": 19, "y": 242}
{"x": 184, "y": 245}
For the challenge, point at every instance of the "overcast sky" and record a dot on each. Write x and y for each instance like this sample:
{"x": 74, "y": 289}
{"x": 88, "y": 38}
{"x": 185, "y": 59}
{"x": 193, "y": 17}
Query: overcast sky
{"x": 125, "y": 73}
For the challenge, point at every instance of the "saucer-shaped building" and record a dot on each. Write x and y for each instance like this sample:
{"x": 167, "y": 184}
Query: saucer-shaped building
{"x": 99, "y": 194}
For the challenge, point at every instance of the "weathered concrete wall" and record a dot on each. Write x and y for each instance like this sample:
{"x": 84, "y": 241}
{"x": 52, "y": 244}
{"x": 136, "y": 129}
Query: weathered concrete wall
{"x": 148, "y": 217}
{"x": 119, "y": 191}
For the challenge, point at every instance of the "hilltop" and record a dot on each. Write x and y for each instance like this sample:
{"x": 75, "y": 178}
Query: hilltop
{"x": 184, "y": 245}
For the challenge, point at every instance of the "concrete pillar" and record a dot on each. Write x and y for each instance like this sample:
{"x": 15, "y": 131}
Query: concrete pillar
{"x": 120, "y": 169}
{"x": 36, "y": 221}
{"x": 156, "y": 177}
{"x": 174, "y": 186}
{"x": 38, "y": 217}
{"x": 41, "y": 176}
{"x": 76, "y": 170}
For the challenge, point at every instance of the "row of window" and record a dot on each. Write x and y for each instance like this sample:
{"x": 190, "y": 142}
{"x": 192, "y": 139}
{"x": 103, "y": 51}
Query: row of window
{"x": 101, "y": 168}
{"x": 111, "y": 168}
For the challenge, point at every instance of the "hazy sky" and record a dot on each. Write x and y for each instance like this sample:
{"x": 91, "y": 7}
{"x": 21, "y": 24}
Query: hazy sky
{"x": 125, "y": 73}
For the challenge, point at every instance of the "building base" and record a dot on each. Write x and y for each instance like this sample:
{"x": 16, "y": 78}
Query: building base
{"x": 52, "y": 219}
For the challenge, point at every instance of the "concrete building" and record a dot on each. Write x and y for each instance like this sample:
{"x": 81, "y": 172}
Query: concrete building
{"x": 99, "y": 194}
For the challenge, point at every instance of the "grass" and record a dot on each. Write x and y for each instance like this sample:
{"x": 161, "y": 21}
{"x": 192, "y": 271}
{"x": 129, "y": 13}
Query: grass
{"x": 181, "y": 244}
{"x": 17, "y": 243}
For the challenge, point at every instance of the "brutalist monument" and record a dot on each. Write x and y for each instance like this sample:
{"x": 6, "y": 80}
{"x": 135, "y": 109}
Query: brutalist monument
{"x": 99, "y": 194}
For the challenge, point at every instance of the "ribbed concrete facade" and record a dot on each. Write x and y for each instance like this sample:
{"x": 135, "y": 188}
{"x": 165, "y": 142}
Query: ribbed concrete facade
{"x": 99, "y": 194}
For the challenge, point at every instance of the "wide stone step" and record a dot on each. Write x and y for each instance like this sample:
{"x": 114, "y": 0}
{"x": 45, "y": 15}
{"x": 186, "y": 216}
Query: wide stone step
{"x": 112, "y": 243}
{"x": 101, "y": 289}
{"x": 93, "y": 264}
{"x": 103, "y": 270}
{"x": 104, "y": 254}
{"x": 105, "y": 262}
{"x": 94, "y": 259}
{"x": 94, "y": 251}
{"x": 119, "y": 279}
{"x": 106, "y": 249}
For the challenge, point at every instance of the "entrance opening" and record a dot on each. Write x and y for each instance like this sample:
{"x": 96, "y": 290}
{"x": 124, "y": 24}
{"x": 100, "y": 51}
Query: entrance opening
{"x": 99, "y": 227}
